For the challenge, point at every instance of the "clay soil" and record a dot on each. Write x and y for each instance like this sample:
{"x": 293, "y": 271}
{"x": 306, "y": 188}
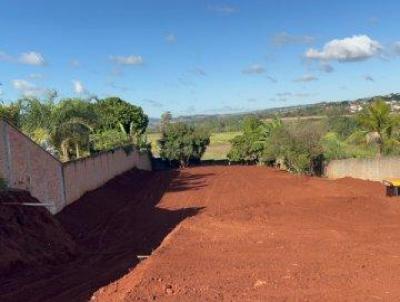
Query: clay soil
{"x": 225, "y": 234}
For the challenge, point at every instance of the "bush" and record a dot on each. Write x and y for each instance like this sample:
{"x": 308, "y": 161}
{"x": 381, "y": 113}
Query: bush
{"x": 333, "y": 147}
{"x": 249, "y": 146}
{"x": 108, "y": 139}
{"x": 183, "y": 143}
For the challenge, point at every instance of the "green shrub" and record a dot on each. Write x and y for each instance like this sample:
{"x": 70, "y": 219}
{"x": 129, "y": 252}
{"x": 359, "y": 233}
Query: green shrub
{"x": 183, "y": 143}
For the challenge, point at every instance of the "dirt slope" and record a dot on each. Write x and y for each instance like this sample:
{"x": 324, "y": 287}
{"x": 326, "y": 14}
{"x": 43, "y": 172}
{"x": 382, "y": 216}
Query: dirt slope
{"x": 226, "y": 234}
{"x": 30, "y": 237}
{"x": 110, "y": 226}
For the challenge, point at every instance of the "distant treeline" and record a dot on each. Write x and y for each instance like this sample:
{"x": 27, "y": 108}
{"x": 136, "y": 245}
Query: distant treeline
{"x": 234, "y": 122}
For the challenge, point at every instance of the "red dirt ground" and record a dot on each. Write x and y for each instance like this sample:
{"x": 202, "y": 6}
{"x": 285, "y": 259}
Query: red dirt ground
{"x": 30, "y": 237}
{"x": 226, "y": 234}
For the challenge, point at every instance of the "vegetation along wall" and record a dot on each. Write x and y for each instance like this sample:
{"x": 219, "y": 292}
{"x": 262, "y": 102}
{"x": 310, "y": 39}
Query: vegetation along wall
{"x": 370, "y": 169}
{"x": 25, "y": 165}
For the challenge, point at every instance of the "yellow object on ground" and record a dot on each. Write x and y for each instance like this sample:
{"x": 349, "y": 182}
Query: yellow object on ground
{"x": 395, "y": 182}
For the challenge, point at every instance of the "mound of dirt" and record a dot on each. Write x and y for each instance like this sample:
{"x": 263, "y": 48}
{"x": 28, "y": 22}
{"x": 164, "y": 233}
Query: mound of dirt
{"x": 30, "y": 236}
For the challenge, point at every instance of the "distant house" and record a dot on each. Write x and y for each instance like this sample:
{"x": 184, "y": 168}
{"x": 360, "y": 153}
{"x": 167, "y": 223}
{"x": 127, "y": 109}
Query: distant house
{"x": 355, "y": 107}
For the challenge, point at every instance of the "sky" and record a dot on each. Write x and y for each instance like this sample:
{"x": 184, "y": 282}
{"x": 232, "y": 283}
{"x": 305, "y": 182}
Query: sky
{"x": 200, "y": 57}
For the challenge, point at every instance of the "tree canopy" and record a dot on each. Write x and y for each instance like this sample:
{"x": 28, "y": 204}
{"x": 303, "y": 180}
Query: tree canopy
{"x": 72, "y": 128}
{"x": 183, "y": 143}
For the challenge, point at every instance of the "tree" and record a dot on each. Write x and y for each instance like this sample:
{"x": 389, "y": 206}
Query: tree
{"x": 11, "y": 113}
{"x": 65, "y": 126}
{"x": 249, "y": 146}
{"x": 377, "y": 121}
{"x": 183, "y": 143}
{"x": 115, "y": 113}
{"x": 166, "y": 118}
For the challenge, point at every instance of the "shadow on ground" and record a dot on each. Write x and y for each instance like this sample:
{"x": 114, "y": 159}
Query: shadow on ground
{"x": 111, "y": 226}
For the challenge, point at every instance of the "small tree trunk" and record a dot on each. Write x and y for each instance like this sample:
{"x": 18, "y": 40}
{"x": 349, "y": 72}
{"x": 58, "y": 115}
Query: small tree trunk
{"x": 183, "y": 163}
{"x": 64, "y": 152}
{"x": 77, "y": 151}
{"x": 380, "y": 147}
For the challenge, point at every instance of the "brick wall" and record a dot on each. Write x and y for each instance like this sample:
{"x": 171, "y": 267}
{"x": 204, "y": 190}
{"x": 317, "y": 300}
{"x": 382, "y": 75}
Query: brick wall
{"x": 25, "y": 165}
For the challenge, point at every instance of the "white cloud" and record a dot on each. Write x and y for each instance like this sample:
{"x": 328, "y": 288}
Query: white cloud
{"x": 224, "y": 9}
{"x": 170, "y": 38}
{"x": 27, "y": 88}
{"x": 78, "y": 87}
{"x": 254, "y": 69}
{"x": 306, "y": 78}
{"x": 127, "y": 60}
{"x": 27, "y": 58}
{"x": 355, "y": 48}
{"x": 284, "y": 38}
{"x": 32, "y": 58}
{"x": 1, "y": 92}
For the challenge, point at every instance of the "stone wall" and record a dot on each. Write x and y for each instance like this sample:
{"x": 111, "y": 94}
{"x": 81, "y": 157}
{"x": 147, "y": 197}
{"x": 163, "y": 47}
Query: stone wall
{"x": 25, "y": 165}
{"x": 370, "y": 169}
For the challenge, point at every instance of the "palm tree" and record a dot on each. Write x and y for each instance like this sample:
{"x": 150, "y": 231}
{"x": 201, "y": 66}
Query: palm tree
{"x": 64, "y": 127}
{"x": 378, "y": 122}
{"x": 71, "y": 135}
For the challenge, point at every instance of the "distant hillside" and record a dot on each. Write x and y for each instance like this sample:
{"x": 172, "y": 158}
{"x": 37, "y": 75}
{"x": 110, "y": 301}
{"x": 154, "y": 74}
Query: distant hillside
{"x": 232, "y": 122}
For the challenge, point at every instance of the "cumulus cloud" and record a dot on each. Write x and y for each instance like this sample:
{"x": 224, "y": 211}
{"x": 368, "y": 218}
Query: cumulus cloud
{"x": 170, "y": 38}
{"x": 306, "y": 78}
{"x": 27, "y": 88}
{"x": 27, "y": 58}
{"x": 127, "y": 60}
{"x": 78, "y": 87}
{"x": 223, "y": 9}
{"x": 254, "y": 69}
{"x": 32, "y": 58}
{"x": 284, "y": 38}
{"x": 355, "y": 48}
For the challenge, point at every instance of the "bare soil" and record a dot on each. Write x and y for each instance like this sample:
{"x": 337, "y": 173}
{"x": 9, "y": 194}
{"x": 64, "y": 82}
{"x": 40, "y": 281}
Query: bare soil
{"x": 30, "y": 237}
{"x": 225, "y": 234}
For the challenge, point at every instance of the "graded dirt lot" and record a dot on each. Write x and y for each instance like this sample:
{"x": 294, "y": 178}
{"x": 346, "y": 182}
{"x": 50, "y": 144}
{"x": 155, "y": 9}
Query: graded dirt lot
{"x": 225, "y": 234}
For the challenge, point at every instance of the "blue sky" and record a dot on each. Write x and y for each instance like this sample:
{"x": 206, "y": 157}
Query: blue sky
{"x": 192, "y": 57}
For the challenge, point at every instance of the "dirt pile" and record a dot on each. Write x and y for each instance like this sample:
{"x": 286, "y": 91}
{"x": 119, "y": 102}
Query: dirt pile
{"x": 30, "y": 236}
